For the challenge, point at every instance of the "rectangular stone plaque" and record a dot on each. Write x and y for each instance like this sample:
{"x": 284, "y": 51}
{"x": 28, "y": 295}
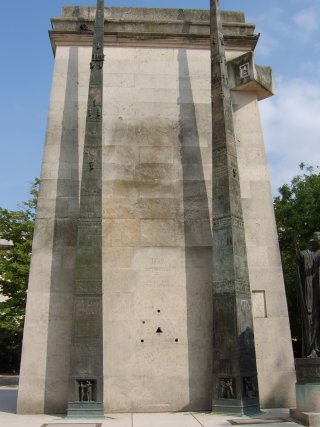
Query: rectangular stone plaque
{"x": 72, "y": 425}
{"x": 259, "y": 308}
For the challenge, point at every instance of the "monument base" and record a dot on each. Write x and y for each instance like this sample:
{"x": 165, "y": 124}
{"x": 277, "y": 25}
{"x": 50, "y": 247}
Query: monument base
{"x": 236, "y": 407}
{"x": 306, "y": 418}
{"x": 307, "y": 411}
{"x": 84, "y": 410}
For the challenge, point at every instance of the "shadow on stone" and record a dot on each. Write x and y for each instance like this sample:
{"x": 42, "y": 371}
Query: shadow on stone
{"x": 198, "y": 247}
{"x": 64, "y": 247}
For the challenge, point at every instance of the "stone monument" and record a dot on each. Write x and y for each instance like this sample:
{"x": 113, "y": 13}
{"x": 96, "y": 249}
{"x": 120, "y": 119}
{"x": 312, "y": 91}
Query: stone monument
{"x": 159, "y": 311}
{"x": 308, "y": 368}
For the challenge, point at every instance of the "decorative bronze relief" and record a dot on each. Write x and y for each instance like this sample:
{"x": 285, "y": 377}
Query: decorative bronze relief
{"x": 227, "y": 388}
{"x": 87, "y": 390}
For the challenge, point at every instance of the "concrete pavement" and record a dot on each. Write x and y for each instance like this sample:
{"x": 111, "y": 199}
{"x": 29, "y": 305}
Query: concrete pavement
{"x": 8, "y": 417}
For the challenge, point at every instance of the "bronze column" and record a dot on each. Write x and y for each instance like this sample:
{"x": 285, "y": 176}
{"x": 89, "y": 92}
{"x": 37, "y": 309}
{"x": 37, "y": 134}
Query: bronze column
{"x": 235, "y": 388}
{"x": 86, "y": 367}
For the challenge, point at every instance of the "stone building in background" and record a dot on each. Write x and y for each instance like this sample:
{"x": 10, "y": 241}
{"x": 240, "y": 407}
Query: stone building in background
{"x": 156, "y": 188}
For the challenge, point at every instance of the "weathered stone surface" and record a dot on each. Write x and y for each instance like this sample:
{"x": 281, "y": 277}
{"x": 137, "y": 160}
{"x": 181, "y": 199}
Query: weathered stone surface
{"x": 245, "y": 75}
{"x": 264, "y": 262}
{"x": 156, "y": 167}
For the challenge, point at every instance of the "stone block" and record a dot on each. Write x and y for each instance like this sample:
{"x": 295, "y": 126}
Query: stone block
{"x": 31, "y": 394}
{"x": 118, "y": 109}
{"x": 276, "y": 303}
{"x": 156, "y": 208}
{"x": 155, "y": 81}
{"x": 155, "y": 155}
{"x": 195, "y": 208}
{"x": 119, "y": 208}
{"x": 305, "y": 418}
{"x": 46, "y": 208}
{"x": 118, "y": 80}
{"x": 155, "y": 171}
{"x": 118, "y": 257}
{"x": 125, "y": 232}
{"x": 260, "y": 232}
{"x": 107, "y": 225}
{"x": 121, "y": 305}
{"x": 121, "y": 279}
{"x": 257, "y": 255}
{"x": 118, "y": 171}
{"x": 274, "y": 390}
{"x": 274, "y": 259}
{"x": 307, "y": 409}
{"x": 116, "y": 53}
{"x": 115, "y": 130}
{"x": 164, "y": 110}
{"x": 158, "y": 232}
{"x": 265, "y": 278}
{"x": 160, "y": 189}
{"x": 44, "y": 229}
{"x": 158, "y": 277}
{"x": 121, "y": 188}
{"x": 194, "y": 232}
{"x": 196, "y": 83}
{"x": 159, "y": 257}
{"x": 163, "y": 67}
{"x": 50, "y": 171}
{"x": 119, "y": 155}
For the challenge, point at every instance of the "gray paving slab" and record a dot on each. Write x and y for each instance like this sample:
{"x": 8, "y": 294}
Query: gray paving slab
{"x": 9, "y": 418}
{"x": 164, "y": 419}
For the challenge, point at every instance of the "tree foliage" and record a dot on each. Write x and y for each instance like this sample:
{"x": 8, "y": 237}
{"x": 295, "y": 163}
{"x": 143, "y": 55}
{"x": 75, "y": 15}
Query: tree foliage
{"x": 16, "y": 227}
{"x": 297, "y": 210}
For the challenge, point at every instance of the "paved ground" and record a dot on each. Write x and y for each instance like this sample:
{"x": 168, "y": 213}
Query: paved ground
{"x": 8, "y": 417}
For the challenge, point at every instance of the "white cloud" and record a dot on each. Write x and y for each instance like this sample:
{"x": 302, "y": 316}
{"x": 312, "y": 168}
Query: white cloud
{"x": 307, "y": 19}
{"x": 307, "y": 22}
{"x": 291, "y": 122}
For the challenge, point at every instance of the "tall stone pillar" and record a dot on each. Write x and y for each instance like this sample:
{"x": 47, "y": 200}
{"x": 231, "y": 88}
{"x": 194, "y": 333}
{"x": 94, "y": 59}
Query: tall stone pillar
{"x": 86, "y": 371}
{"x": 235, "y": 387}
{"x": 156, "y": 223}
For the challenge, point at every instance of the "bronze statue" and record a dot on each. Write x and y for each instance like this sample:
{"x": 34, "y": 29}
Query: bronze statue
{"x": 308, "y": 262}
{"x": 85, "y": 391}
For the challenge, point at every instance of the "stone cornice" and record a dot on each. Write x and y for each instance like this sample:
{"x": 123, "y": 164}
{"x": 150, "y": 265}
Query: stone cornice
{"x": 151, "y": 27}
{"x": 73, "y": 38}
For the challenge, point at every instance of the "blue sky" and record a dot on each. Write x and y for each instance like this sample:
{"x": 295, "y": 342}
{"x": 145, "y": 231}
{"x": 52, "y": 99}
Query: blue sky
{"x": 290, "y": 43}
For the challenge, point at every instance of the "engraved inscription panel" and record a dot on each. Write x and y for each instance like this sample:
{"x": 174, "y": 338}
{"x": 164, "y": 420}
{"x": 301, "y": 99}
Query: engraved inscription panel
{"x": 87, "y": 320}
{"x": 84, "y": 360}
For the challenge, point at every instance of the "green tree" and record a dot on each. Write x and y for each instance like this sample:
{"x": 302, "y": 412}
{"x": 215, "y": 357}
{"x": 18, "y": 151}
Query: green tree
{"x": 297, "y": 211}
{"x": 16, "y": 227}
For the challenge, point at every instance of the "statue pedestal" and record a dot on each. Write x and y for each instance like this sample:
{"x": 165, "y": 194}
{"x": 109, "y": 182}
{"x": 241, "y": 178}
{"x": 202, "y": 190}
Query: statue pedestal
{"x": 85, "y": 410}
{"x": 307, "y": 411}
